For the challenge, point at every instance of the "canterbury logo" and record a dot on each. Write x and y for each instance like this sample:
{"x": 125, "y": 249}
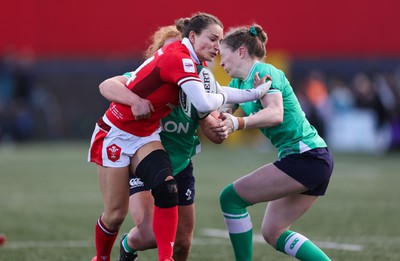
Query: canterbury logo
{"x": 294, "y": 243}
{"x": 136, "y": 182}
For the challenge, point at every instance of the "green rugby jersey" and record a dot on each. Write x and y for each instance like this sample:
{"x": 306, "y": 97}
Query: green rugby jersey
{"x": 179, "y": 138}
{"x": 294, "y": 134}
{"x": 179, "y": 128}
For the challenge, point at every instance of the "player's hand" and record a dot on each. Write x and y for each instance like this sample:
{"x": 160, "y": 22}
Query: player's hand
{"x": 262, "y": 84}
{"x": 225, "y": 126}
{"x": 142, "y": 109}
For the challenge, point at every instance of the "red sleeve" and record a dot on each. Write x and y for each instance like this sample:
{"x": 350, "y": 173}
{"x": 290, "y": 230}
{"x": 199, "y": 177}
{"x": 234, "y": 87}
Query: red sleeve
{"x": 177, "y": 67}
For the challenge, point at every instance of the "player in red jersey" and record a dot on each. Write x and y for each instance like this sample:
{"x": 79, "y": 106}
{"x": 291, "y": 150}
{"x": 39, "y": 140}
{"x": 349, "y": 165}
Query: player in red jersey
{"x": 127, "y": 138}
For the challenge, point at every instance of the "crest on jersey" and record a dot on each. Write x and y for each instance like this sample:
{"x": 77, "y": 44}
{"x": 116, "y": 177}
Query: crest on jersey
{"x": 113, "y": 152}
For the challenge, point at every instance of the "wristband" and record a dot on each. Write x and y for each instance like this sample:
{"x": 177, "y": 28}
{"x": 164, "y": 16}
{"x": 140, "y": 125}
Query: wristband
{"x": 234, "y": 121}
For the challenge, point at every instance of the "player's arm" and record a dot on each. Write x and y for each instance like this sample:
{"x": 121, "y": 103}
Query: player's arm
{"x": 207, "y": 102}
{"x": 114, "y": 90}
{"x": 229, "y": 108}
{"x": 270, "y": 116}
{"x": 261, "y": 87}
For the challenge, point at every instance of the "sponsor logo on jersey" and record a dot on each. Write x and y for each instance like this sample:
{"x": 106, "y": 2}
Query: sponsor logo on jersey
{"x": 135, "y": 183}
{"x": 188, "y": 65}
{"x": 113, "y": 152}
{"x": 176, "y": 127}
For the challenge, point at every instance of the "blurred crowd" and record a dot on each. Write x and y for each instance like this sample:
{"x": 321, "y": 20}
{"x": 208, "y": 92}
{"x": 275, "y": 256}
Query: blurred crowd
{"x": 357, "y": 114}
{"x": 16, "y": 86}
{"x": 27, "y": 110}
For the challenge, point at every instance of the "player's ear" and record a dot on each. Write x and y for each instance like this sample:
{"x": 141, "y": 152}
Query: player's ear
{"x": 242, "y": 51}
{"x": 192, "y": 37}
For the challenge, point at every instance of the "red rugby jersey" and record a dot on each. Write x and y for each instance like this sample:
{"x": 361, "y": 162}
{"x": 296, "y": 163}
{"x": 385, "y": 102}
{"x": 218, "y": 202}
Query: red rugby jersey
{"x": 158, "y": 80}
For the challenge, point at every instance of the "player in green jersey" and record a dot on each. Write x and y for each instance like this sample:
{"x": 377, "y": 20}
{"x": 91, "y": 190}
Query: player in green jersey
{"x": 180, "y": 140}
{"x": 290, "y": 185}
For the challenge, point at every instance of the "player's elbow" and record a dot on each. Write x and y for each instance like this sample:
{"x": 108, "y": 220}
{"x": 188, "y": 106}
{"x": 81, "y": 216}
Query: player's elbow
{"x": 276, "y": 119}
{"x": 103, "y": 87}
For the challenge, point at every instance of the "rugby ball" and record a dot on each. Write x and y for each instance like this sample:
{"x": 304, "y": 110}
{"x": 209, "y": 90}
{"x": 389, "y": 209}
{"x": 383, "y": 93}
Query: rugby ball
{"x": 210, "y": 85}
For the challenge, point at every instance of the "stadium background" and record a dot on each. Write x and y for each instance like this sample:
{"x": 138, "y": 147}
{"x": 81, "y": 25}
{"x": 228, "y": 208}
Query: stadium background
{"x": 55, "y": 53}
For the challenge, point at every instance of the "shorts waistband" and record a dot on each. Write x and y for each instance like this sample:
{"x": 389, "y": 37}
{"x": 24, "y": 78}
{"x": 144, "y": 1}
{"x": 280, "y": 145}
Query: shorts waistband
{"x": 103, "y": 125}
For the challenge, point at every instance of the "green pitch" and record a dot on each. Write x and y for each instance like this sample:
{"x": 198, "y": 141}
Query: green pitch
{"x": 50, "y": 201}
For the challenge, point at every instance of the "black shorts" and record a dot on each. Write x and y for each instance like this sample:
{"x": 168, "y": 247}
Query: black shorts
{"x": 312, "y": 168}
{"x": 184, "y": 179}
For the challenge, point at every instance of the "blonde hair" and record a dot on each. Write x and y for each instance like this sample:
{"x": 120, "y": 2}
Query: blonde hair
{"x": 159, "y": 37}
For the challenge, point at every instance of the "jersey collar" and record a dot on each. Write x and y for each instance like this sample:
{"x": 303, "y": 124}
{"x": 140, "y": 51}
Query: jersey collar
{"x": 188, "y": 45}
{"x": 251, "y": 74}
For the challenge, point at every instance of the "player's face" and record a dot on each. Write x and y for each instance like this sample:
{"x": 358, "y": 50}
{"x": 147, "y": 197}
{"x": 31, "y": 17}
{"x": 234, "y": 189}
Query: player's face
{"x": 207, "y": 44}
{"x": 230, "y": 61}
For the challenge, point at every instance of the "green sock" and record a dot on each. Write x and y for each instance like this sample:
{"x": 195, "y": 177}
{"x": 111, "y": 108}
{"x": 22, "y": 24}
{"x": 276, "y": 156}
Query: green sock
{"x": 126, "y": 246}
{"x": 238, "y": 222}
{"x": 297, "y": 245}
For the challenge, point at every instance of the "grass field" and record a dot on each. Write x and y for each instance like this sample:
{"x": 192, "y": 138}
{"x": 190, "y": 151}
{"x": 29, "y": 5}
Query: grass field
{"x": 50, "y": 200}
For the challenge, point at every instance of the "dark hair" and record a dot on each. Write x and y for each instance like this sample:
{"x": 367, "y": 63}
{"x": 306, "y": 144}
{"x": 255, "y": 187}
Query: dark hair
{"x": 197, "y": 23}
{"x": 253, "y": 38}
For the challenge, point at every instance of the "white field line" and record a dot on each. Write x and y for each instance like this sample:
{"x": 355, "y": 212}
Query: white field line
{"x": 49, "y": 244}
{"x": 215, "y": 234}
{"x": 219, "y": 233}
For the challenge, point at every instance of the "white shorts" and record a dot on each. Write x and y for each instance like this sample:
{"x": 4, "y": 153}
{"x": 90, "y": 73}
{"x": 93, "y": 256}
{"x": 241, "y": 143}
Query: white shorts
{"x": 113, "y": 147}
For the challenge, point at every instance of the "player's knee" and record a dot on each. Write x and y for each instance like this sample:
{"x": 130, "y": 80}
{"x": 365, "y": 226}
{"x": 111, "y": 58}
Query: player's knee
{"x": 154, "y": 168}
{"x": 230, "y": 201}
{"x": 224, "y": 197}
{"x": 113, "y": 219}
{"x": 166, "y": 194}
{"x": 118, "y": 218}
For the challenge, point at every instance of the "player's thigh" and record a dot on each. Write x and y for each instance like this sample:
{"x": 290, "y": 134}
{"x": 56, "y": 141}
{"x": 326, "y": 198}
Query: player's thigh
{"x": 114, "y": 187}
{"x": 143, "y": 152}
{"x": 267, "y": 183}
